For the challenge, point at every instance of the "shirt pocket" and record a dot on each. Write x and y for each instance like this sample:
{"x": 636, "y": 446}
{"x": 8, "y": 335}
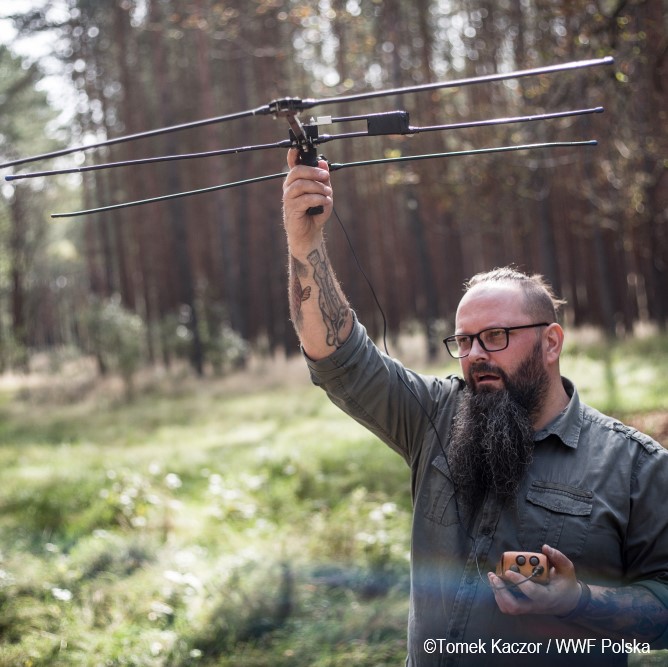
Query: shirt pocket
{"x": 556, "y": 514}
{"x": 437, "y": 494}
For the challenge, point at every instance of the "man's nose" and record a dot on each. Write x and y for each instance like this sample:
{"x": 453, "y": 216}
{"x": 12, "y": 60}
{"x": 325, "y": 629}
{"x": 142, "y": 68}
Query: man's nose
{"x": 477, "y": 351}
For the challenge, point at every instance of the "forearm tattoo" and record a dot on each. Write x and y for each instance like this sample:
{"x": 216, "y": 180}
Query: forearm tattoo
{"x": 628, "y": 612}
{"x": 298, "y": 294}
{"x": 334, "y": 311}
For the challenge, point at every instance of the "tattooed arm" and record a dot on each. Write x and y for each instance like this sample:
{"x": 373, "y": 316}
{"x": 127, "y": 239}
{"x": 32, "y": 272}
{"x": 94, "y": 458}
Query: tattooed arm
{"x": 319, "y": 310}
{"x": 628, "y": 612}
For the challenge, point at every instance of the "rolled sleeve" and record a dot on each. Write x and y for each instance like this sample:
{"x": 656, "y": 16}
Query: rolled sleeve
{"x": 337, "y": 363}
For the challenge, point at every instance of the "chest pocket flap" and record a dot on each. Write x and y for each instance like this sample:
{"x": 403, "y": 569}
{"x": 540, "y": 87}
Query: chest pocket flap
{"x": 556, "y": 514}
{"x": 561, "y": 498}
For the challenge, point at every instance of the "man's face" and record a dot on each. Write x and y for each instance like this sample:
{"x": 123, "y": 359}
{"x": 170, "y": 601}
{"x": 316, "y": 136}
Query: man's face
{"x": 495, "y": 305}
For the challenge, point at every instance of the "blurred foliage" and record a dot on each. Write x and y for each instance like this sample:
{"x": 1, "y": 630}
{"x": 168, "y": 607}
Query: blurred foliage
{"x": 217, "y": 524}
{"x": 131, "y": 66}
{"x": 116, "y": 337}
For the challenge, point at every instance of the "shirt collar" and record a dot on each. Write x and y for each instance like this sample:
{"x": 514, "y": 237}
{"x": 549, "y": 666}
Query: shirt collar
{"x": 568, "y": 423}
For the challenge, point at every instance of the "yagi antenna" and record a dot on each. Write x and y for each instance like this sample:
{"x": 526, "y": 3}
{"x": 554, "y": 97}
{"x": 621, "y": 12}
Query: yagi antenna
{"x": 292, "y": 106}
{"x": 305, "y": 136}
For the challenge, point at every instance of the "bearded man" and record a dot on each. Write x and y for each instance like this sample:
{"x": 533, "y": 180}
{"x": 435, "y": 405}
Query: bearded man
{"x": 506, "y": 459}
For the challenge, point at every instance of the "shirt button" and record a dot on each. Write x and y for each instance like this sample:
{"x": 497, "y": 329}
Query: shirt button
{"x": 469, "y": 580}
{"x": 454, "y": 634}
{"x": 486, "y": 530}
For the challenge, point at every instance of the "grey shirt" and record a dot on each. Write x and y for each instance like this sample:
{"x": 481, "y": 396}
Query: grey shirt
{"x": 596, "y": 490}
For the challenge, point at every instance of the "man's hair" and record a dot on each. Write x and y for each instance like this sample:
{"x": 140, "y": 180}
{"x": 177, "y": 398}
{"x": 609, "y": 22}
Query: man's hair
{"x": 540, "y": 299}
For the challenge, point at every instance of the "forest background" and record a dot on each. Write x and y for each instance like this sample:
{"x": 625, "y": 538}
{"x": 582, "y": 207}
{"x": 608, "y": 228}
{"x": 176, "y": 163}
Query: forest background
{"x": 227, "y": 514}
{"x": 206, "y": 273}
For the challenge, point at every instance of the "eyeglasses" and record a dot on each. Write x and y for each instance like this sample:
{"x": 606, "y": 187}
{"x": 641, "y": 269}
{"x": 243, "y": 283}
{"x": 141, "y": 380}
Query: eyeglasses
{"x": 491, "y": 340}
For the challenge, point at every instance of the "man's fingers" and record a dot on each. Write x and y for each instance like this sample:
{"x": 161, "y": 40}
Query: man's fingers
{"x": 505, "y": 600}
{"x": 561, "y": 563}
{"x": 306, "y": 188}
{"x": 306, "y": 174}
{"x": 307, "y": 202}
{"x": 305, "y": 181}
{"x": 302, "y": 188}
{"x": 293, "y": 157}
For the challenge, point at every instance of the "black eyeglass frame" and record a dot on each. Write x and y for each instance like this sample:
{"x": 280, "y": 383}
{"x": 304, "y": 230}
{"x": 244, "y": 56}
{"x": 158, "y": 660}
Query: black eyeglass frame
{"x": 478, "y": 335}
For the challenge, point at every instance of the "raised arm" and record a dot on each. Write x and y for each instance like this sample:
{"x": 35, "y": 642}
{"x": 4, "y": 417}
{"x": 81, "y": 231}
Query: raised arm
{"x": 319, "y": 310}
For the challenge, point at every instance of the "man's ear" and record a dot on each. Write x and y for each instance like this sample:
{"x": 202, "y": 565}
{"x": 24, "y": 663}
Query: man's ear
{"x": 553, "y": 342}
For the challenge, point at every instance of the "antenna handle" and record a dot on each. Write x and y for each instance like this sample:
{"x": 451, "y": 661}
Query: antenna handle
{"x": 309, "y": 156}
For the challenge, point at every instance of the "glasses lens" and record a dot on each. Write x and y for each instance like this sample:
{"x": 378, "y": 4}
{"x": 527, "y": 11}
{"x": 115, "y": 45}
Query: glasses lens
{"x": 494, "y": 339}
{"x": 458, "y": 346}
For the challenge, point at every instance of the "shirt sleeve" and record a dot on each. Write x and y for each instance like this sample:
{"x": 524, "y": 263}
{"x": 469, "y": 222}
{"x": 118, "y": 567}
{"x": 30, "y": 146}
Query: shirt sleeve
{"x": 396, "y": 404}
{"x": 647, "y": 536}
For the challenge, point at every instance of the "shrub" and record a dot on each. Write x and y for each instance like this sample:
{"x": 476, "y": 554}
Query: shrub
{"x": 116, "y": 338}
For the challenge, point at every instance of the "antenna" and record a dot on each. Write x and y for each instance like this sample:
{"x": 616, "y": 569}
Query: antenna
{"x": 305, "y": 136}
{"x": 293, "y": 105}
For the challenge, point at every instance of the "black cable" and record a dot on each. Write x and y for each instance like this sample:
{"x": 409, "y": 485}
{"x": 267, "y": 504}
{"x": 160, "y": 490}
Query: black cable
{"x": 408, "y": 387}
{"x": 537, "y": 571}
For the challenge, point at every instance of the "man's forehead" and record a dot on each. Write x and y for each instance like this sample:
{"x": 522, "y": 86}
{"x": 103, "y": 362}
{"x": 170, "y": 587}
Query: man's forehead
{"x": 497, "y": 301}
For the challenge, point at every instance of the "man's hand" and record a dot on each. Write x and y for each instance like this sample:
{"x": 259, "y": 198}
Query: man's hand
{"x": 559, "y": 597}
{"x": 305, "y": 187}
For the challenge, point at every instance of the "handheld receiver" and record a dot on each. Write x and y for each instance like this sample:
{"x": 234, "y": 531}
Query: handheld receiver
{"x": 533, "y": 566}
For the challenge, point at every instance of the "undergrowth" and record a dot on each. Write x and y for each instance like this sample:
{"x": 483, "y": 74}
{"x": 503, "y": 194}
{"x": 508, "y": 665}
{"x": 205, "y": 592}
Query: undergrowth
{"x": 218, "y": 527}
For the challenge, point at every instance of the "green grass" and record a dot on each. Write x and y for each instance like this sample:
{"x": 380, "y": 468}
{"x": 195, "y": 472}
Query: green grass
{"x": 624, "y": 378}
{"x": 213, "y": 525}
{"x": 207, "y": 528}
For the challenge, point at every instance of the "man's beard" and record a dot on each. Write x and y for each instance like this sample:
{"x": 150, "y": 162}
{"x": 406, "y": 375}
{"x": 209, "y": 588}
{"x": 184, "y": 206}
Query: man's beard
{"x": 491, "y": 444}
